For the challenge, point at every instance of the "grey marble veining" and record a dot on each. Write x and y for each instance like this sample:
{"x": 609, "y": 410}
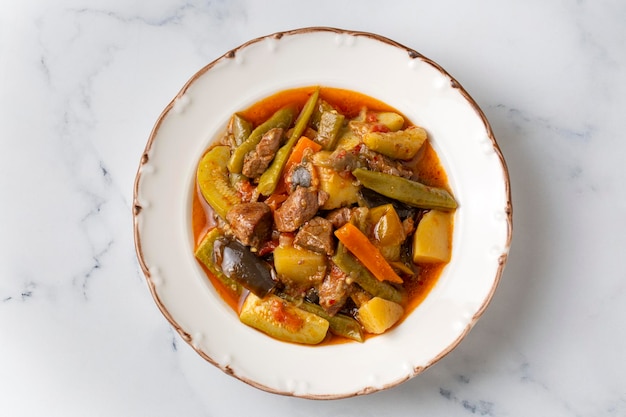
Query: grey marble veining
{"x": 81, "y": 85}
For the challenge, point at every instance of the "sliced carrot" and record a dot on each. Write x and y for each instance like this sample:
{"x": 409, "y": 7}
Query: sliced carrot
{"x": 365, "y": 251}
{"x": 275, "y": 200}
{"x": 297, "y": 153}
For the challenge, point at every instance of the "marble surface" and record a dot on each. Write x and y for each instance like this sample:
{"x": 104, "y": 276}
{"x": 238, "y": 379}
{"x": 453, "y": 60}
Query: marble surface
{"x": 81, "y": 85}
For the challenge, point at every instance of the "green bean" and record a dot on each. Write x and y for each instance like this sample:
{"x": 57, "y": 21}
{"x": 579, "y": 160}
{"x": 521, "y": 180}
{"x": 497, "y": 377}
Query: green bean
{"x": 282, "y": 118}
{"x": 362, "y": 276}
{"x": 240, "y": 129}
{"x": 339, "y": 324}
{"x": 410, "y": 192}
{"x": 204, "y": 254}
{"x": 269, "y": 179}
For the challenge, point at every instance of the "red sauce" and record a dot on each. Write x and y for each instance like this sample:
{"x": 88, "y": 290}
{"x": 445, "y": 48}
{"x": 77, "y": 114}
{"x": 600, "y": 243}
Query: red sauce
{"x": 281, "y": 314}
{"x": 426, "y": 165}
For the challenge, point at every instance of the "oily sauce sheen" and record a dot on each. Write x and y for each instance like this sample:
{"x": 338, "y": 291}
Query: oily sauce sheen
{"x": 426, "y": 165}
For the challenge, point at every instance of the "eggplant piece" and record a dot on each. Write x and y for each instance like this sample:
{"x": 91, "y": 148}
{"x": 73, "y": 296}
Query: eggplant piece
{"x": 204, "y": 253}
{"x": 373, "y": 199}
{"x": 238, "y": 263}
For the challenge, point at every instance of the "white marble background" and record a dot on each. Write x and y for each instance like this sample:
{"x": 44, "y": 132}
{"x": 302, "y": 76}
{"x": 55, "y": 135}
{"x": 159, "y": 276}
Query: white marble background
{"x": 81, "y": 84}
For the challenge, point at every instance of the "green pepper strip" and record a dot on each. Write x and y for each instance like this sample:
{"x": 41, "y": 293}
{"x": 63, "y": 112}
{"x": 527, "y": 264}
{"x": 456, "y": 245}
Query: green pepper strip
{"x": 269, "y": 179}
{"x": 362, "y": 276}
{"x": 204, "y": 254}
{"x": 339, "y": 324}
{"x": 410, "y": 192}
{"x": 282, "y": 118}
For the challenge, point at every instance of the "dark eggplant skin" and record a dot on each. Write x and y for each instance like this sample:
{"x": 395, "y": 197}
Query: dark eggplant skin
{"x": 238, "y": 263}
{"x": 374, "y": 199}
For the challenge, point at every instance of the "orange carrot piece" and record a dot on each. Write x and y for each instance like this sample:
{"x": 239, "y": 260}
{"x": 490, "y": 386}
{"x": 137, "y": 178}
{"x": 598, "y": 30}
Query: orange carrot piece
{"x": 365, "y": 251}
{"x": 297, "y": 153}
{"x": 275, "y": 200}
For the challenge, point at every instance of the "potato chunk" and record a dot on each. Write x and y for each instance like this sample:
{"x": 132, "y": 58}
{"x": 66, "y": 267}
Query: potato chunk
{"x": 392, "y": 120}
{"x": 300, "y": 266}
{"x": 341, "y": 191}
{"x": 281, "y": 320}
{"x": 432, "y": 241}
{"x": 378, "y": 314}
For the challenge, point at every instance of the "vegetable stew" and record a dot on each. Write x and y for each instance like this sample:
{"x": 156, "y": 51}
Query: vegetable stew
{"x": 322, "y": 215}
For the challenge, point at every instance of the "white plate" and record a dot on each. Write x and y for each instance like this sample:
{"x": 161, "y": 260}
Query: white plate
{"x": 377, "y": 67}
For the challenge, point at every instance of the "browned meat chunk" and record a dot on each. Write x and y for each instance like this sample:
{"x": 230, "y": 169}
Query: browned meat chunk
{"x": 334, "y": 290}
{"x": 339, "y": 217}
{"x": 297, "y": 209}
{"x": 343, "y": 160}
{"x": 316, "y": 235}
{"x": 343, "y": 215}
{"x": 256, "y": 162}
{"x": 381, "y": 163}
{"x": 251, "y": 223}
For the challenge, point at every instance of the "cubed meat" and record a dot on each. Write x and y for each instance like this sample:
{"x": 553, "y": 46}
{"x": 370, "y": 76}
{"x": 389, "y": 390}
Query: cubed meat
{"x": 334, "y": 290}
{"x": 344, "y": 160}
{"x": 343, "y": 215}
{"x": 316, "y": 235}
{"x": 378, "y": 162}
{"x": 339, "y": 217}
{"x": 251, "y": 223}
{"x": 256, "y": 162}
{"x": 297, "y": 209}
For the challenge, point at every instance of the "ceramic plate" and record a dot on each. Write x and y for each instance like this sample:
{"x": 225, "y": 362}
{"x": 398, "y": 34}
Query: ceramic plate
{"x": 380, "y": 68}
